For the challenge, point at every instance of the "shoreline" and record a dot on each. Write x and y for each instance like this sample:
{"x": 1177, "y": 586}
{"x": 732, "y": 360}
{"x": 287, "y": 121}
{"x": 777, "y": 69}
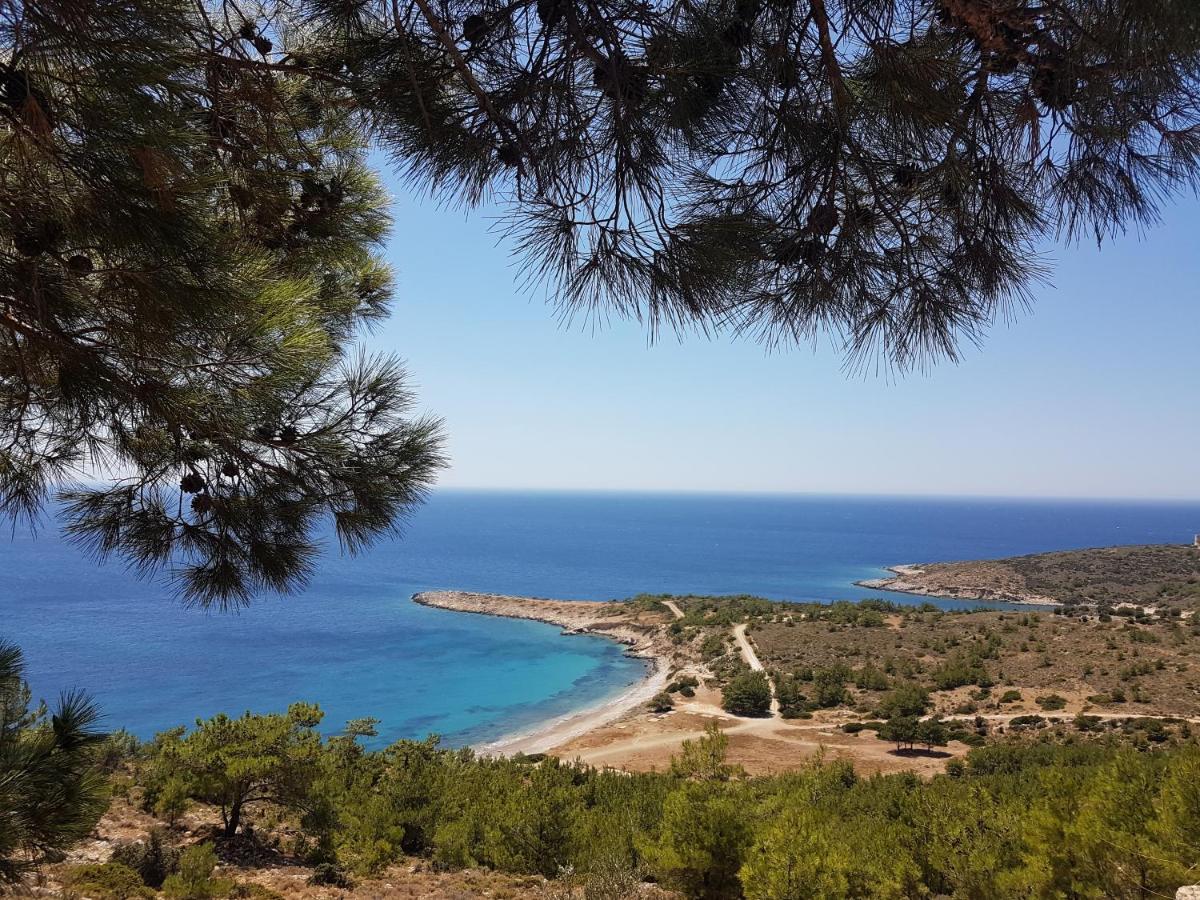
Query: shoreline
{"x": 574, "y": 617}
{"x": 901, "y": 582}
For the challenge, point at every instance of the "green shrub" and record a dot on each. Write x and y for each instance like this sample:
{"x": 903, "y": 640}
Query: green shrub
{"x": 1030, "y": 721}
{"x": 661, "y": 703}
{"x": 829, "y": 686}
{"x": 1011, "y": 696}
{"x": 907, "y": 700}
{"x": 193, "y": 880}
{"x": 747, "y": 694}
{"x": 249, "y": 890}
{"x": 712, "y": 646}
{"x": 685, "y": 684}
{"x": 1051, "y": 702}
{"x": 107, "y": 881}
{"x": 153, "y": 860}
{"x": 329, "y": 875}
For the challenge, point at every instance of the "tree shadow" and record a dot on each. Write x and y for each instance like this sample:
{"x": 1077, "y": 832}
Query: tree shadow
{"x": 920, "y": 753}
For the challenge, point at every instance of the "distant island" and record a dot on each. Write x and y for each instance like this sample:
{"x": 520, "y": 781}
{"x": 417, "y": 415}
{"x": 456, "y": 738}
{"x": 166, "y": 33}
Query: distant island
{"x": 1157, "y": 575}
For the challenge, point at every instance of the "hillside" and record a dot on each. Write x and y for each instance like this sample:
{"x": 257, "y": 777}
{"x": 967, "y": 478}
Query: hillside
{"x": 1160, "y": 575}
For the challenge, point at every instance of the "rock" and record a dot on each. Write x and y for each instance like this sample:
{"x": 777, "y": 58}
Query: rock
{"x": 1188, "y": 892}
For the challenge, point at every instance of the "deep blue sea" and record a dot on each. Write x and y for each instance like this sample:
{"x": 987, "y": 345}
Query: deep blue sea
{"x": 354, "y": 642}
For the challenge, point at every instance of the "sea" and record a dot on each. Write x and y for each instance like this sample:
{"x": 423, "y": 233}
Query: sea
{"x": 356, "y": 644}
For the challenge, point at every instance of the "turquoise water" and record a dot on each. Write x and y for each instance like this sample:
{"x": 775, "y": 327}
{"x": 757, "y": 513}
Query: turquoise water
{"x": 354, "y": 642}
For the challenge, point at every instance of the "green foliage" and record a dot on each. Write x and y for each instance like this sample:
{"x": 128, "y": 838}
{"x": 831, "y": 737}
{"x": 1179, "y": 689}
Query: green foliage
{"x": 1020, "y": 819}
{"x": 907, "y": 699}
{"x": 793, "y": 702}
{"x": 685, "y": 684}
{"x": 704, "y": 759}
{"x": 712, "y": 646}
{"x": 52, "y": 789}
{"x": 1051, "y": 702}
{"x": 701, "y": 839}
{"x": 107, "y": 881}
{"x": 190, "y": 242}
{"x": 194, "y": 880}
{"x": 871, "y": 678}
{"x": 961, "y": 669}
{"x": 747, "y": 694}
{"x": 903, "y": 731}
{"x": 661, "y": 703}
{"x": 152, "y": 859}
{"x": 236, "y": 763}
{"x": 829, "y": 686}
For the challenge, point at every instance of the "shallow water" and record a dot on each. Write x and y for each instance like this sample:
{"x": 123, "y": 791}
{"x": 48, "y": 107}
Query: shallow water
{"x": 354, "y": 643}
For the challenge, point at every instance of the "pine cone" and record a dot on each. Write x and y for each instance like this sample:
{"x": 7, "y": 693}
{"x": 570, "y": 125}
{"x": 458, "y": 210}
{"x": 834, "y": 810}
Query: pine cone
{"x": 192, "y": 483}
{"x": 474, "y": 29}
{"x": 509, "y": 154}
{"x": 80, "y": 265}
{"x": 823, "y": 218}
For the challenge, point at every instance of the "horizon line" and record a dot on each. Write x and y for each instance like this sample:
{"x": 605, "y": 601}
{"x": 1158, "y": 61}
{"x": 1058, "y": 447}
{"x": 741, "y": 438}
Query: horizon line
{"x": 864, "y": 495}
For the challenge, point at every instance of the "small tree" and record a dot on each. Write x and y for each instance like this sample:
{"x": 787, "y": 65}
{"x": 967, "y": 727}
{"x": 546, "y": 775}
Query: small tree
{"x": 932, "y": 733}
{"x": 194, "y": 879}
{"x": 908, "y": 700}
{"x": 829, "y": 686}
{"x": 51, "y": 789}
{"x": 702, "y": 840}
{"x": 661, "y": 703}
{"x": 704, "y": 758}
{"x": 748, "y": 694}
{"x": 234, "y": 763}
{"x": 904, "y": 731}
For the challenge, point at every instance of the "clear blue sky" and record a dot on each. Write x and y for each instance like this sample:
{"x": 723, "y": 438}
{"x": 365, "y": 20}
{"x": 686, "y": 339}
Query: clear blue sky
{"x": 1095, "y": 393}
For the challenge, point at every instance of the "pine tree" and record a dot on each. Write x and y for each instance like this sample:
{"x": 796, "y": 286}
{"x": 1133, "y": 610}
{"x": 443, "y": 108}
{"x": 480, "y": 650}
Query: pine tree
{"x": 51, "y": 789}
{"x": 188, "y": 248}
{"x": 188, "y": 220}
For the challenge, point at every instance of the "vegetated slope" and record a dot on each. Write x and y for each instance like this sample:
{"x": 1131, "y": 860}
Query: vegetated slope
{"x": 1161, "y": 574}
{"x": 848, "y": 656}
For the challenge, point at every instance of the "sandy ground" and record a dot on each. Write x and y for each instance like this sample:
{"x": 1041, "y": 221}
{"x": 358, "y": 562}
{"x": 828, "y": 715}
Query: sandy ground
{"x": 761, "y": 746}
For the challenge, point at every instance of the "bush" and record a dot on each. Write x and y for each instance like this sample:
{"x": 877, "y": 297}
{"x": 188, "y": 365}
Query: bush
{"x": 107, "y": 881}
{"x": 329, "y": 875}
{"x": 712, "y": 646}
{"x": 249, "y": 890}
{"x": 1031, "y": 721}
{"x": 1052, "y": 702}
{"x": 171, "y": 800}
{"x": 1010, "y": 697}
{"x": 194, "y": 879}
{"x": 906, "y": 700}
{"x": 685, "y": 685}
{"x": 661, "y": 703}
{"x": 829, "y": 686}
{"x": 748, "y": 694}
{"x": 153, "y": 860}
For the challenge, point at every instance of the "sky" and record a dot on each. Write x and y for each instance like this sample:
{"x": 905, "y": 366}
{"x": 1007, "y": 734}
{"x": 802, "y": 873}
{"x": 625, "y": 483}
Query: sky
{"x": 1093, "y": 393}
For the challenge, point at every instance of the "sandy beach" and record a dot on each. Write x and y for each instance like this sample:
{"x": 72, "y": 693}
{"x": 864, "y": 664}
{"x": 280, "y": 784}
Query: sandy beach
{"x": 608, "y": 620}
{"x": 622, "y": 732}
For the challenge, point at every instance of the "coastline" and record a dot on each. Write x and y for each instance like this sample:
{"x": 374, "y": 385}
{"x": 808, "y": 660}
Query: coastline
{"x": 574, "y": 617}
{"x": 907, "y": 579}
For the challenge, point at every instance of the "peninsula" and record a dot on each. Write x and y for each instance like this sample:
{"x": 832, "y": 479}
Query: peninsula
{"x": 1161, "y": 575}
